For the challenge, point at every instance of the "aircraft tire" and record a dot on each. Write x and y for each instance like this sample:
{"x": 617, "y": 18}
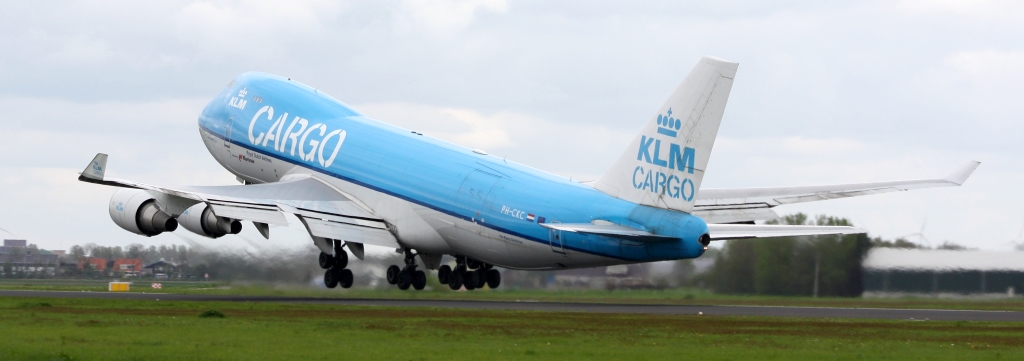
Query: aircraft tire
{"x": 455, "y": 280}
{"x": 404, "y": 280}
{"x": 443, "y": 273}
{"x": 393, "y": 274}
{"x": 493, "y": 278}
{"x": 330, "y": 279}
{"x": 419, "y": 280}
{"x": 341, "y": 259}
{"x": 326, "y": 260}
{"x": 345, "y": 278}
{"x": 472, "y": 280}
{"x": 482, "y": 277}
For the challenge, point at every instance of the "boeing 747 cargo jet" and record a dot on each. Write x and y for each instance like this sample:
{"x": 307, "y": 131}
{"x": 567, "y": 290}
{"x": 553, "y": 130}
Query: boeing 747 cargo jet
{"x": 352, "y": 181}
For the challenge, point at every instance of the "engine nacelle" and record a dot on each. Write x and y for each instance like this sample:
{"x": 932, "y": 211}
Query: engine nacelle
{"x": 199, "y": 219}
{"x": 136, "y": 211}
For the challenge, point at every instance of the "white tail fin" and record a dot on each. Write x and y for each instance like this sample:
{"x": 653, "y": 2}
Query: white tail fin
{"x": 664, "y": 165}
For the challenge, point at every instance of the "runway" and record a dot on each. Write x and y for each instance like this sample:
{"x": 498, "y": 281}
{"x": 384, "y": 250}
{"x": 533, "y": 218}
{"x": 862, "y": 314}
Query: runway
{"x": 707, "y": 310}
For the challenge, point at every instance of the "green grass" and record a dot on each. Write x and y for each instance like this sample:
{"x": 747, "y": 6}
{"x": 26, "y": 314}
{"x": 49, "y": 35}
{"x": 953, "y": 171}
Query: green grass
{"x": 667, "y": 296}
{"x": 89, "y": 329}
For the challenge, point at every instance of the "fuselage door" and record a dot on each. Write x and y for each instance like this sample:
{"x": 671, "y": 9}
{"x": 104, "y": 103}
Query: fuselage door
{"x": 475, "y": 194}
{"x": 555, "y": 239}
{"x": 230, "y": 156}
{"x": 475, "y": 197}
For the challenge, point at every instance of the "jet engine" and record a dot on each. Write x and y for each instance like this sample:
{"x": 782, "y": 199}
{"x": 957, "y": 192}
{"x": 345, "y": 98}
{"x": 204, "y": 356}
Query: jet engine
{"x": 136, "y": 211}
{"x": 199, "y": 219}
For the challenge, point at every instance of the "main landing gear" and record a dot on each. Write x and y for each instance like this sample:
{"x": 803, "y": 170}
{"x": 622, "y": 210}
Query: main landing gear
{"x": 408, "y": 275}
{"x": 470, "y": 273}
{"x": 335, "y": 264}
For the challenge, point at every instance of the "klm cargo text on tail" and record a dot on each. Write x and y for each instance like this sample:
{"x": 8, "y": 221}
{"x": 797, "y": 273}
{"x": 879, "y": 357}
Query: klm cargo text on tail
{"x": 679, "y": 158}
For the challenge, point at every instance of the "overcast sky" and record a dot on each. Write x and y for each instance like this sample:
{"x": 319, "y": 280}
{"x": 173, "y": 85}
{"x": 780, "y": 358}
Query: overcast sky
{"x": 827, "y": 92}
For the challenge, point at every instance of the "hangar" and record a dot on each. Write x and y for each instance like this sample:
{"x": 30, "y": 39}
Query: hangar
{"x": 895, "y": 272}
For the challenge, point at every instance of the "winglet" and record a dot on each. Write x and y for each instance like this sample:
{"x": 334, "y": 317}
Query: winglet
{"x": 96, "y": 168}
{"x": 960, "y": 175}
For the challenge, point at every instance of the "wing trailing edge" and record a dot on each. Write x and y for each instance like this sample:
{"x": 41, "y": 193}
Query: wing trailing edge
{"x": 753, "y": 204}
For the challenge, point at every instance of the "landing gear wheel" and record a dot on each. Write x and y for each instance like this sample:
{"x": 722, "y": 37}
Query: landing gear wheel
{"x": 404, "y": 280}
{"x": 482, "y": 277}
{"x": 443, "y": 273}
{"x": 472, "y": 280}
{"x": 455, "y": 280}
{"x": 340, "y": 258}
{"x": 493, "y": 278}
{"x": 419, "y": 280}
{"x": 345, "y": 278}
{"x": 393, "y": 274}
{"x": 326, "y": 260}
{"x": 330, "y": 279}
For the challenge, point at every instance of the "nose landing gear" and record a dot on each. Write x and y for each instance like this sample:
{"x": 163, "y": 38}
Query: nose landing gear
{"x": 336, "y": 274}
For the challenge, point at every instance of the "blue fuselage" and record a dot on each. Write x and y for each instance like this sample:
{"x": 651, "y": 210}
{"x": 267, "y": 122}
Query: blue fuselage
{"x": 267, "y": 127}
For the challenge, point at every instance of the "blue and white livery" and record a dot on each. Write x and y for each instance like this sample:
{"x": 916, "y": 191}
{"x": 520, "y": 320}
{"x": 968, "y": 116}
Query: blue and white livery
{"x": 352, "y": 180}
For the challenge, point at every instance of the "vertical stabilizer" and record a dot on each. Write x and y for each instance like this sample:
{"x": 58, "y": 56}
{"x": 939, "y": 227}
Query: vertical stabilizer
{"x": 663, "y": 167}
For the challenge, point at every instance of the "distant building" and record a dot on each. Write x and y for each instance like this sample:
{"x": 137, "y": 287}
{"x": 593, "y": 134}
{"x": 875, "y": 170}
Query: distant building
{"x": 95, "y": 263}
{"x": 127, "y": 265}
{"x": 15, "y": 243}
{"x": 162, "y": 267}
{"x": 894, "y": 271}
{"x": 611, "y": 277}
{"x": 16, "y": 258}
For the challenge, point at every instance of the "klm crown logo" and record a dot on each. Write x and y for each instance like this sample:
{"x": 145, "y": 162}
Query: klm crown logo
{"x": 668, "y": 125}
{"x": 242, "y": 93}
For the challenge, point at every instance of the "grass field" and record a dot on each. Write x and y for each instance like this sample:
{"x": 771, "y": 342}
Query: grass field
{"x": 668, "y": 296}
{"x": 90, "y": 329}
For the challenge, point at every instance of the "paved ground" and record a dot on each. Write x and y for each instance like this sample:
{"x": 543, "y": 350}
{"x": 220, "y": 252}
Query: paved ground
{"x": 813, "y": 312}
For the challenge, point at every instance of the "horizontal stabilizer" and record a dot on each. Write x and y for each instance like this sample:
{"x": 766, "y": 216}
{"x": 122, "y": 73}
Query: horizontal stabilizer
{"x": 719, "y": 232}
{"x": 607, "y": 229}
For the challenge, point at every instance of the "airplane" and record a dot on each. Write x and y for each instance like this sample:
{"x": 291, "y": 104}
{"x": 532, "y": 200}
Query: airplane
{"x": 352, "y": 181}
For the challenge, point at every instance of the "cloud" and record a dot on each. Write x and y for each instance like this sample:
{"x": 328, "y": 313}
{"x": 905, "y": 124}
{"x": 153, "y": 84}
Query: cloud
{"x": 444, "y": 16}
{"x": 989, "y": 65}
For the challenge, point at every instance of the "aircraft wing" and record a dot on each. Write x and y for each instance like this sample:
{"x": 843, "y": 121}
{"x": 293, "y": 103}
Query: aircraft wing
{"x": 752, "y": 204}
{"x": 324, "y": 210}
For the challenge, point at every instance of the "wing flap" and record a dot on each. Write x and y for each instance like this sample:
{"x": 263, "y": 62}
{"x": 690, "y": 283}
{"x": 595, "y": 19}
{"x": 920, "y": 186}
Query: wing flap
{"x": 351, "y": 232}
{"x": 261, "y": 215}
